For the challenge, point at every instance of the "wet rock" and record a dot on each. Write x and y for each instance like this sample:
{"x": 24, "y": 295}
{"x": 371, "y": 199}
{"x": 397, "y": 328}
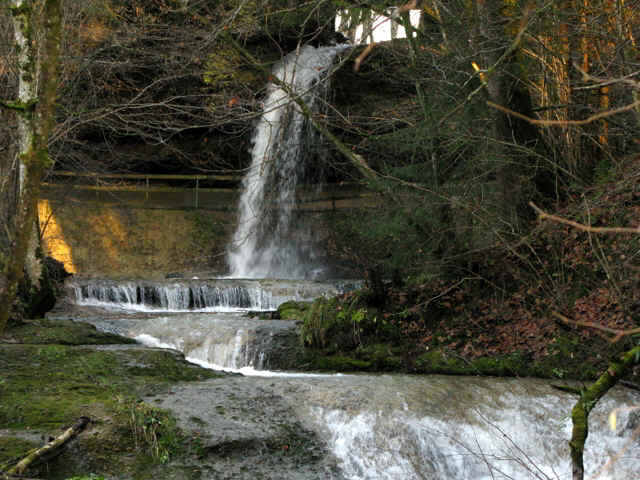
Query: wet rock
{"x": 249, "y": 430}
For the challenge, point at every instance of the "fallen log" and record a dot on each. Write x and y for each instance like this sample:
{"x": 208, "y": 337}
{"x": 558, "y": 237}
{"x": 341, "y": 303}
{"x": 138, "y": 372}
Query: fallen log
{"x": 51, "y": 448}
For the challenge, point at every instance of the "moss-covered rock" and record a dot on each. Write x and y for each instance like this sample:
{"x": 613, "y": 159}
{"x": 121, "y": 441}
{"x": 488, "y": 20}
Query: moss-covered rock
{"x": 345, "y": 323}
{"x": 316, "y": 360}
{"x": 345, "y": 334}
{"x": 50, "y": 376}
{"x": 12, "y": 448}
{"x": 36, "y": 298}
{"x": 438, "y": 360}
{"x": 293, "y": 310}
{"x": 61, "y": 332}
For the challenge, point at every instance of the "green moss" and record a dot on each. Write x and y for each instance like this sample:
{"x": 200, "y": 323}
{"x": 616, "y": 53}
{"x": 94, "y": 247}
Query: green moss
{"x": 383, "y": 356}
{"x": 227, "y": 69}
{"x": 570, "y": 358}
{"x": 79, "y": 378}
{"x": 46, "y": 386}
{"x": 91, "y": 476}
{"x": 62, "y": 332}
{"x": 440, "y": 361}
{"x": 12, "y": 448}
{"x": 293, "y": 310}
{"x": 315, "y": 360}
{"x": 24, "y": 107}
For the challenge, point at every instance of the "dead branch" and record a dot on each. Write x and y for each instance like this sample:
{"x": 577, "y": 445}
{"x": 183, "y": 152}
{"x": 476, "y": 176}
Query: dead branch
{"x": 585, "y": 228}
{"x": 52, "y": 447}
{"x": 618, "y": 334}
{"x": 361, "y": 58}
{"x": 603, "y": 82}
{"x": 547, "y": 123}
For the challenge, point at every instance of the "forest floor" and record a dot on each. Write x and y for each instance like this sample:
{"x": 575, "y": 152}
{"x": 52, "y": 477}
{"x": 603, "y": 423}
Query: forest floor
{"x": 553, "y": 304}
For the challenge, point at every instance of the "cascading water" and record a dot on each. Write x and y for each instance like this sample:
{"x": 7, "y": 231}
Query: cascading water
{"x": 262, "y": 246}
{"x": 397, "y": 427}
{"x": 222, "y": 341}
{"x": 206, "y": 295}
{"x": 206, "y": 319}
{"x": 383, "y": 427}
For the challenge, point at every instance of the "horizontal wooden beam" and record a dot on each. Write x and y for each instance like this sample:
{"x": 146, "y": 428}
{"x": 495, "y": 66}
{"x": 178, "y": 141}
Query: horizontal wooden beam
{"x": 150, "y": 176}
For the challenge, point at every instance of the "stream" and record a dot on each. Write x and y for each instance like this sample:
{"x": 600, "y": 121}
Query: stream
{"x": 343, "y": 426}
{"x": 265, "y": 421}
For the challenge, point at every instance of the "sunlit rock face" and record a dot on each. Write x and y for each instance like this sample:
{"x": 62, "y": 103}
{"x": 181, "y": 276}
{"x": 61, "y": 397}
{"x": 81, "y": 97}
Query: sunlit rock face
{"x": 54, "y": 242}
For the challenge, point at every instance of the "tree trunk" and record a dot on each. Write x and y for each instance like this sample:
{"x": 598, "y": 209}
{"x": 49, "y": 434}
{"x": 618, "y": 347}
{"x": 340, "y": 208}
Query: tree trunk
{"x": 588, "y": 400}
{"x": 52, "y": 447}
{"x": 38, "y": 67}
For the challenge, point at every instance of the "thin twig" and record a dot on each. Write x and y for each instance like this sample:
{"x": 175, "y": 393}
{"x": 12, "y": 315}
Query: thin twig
{"x": 585, "y": 228}
{"x": 547, "y": 123}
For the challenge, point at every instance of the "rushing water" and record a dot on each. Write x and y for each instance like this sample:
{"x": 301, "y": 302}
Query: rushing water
{"x": 262, "y": 246}
{"x": 373, "y": 427}
{"x": 393, "y": 427}
{"x": 354, "y": 427}
{"x": 212, "y": 295}
{"x": 465, "y": 428}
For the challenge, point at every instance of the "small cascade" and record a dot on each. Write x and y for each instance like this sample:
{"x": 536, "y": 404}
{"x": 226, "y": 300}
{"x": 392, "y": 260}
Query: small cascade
{"x": 441, "y": 427}
{"x": 222, "y": 341}
{"x": 216, "y": 295}
{"x": 173, "y": 297}
{"x": 262, "y": 245}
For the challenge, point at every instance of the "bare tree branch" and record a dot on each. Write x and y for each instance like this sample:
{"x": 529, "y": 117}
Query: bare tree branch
{"x": 618, "y": 334}
{"x": 546, "y": 123}
{"x": 585, "y": 228}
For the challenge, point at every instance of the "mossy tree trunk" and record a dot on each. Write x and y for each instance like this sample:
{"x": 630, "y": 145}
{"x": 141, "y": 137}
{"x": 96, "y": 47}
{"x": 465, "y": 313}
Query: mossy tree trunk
{"x": 37, "y": 36}
{"x": 588, "y": 399}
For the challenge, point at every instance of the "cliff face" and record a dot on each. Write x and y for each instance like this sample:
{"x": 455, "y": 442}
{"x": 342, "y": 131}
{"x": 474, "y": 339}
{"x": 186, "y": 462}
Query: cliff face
{"x": 128, "y": 232}
{"x": 158, "y": 87}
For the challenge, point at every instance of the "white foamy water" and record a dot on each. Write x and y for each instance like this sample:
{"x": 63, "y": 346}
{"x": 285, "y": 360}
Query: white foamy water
{"x": 206, "y": 295}
{"x": 175, "y": 297}
{"x": 262, "y": 246}
{"x": 252, "y": 372}
{"x": 440, "y": 427}
{"x": 391, "y": 427}
{"x": 229, "y": 342}
{"x": 228, "y": 362}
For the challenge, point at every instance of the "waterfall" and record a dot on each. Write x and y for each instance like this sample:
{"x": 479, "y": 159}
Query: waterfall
{"x": 203, "y": 295}
{"x": 218, "y": 342}
{"x": 397, "y": 427}
{"x": 173, "y": 297}
{"x": 262, "y": 245}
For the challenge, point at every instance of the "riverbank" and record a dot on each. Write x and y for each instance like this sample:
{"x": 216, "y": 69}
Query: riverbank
{"x": 153, "y": 415}
{"x": 53, "y": 373}
{"x": 347, "y": 334}
{"x": 555, "y": 303}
